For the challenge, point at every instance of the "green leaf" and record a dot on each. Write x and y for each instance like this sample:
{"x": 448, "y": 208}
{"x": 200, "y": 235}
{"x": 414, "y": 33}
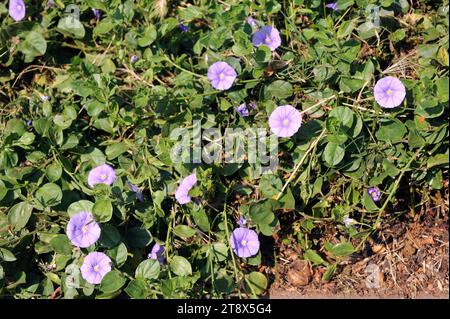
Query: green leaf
{"x": 102, "y": 210}
{"x": 270, "y": 185}
{"x": 148, "y": 269}
{"x": 224, "y": 283}
{"x": 109, "y": 236}
{"x": 368, "y": 203}
{"x": 219, "y": 251}
{"x": 391, "y": 130}
{"x": 184, "y": 231}
{"x": 313, "y": 257}
{"x": 139, "y": 237}
{"x": 119, "y": 254}
{"x": 345, "y": 29}
{"x": 331, "y": 269}
{"x": 333, "y": 154}
{"x": 279, "y": 89}
{"x": 61, "y": 244}
{"x": 439, "y": 159}
{"x": 262, "y": 212}
{"x": 53, "y": 172}
{"x": 32, "y": 46}
{"x": 19, "y": 215}
{"x": 7, "y": 255}
{"x": 180, "y": 266}
{"x": 201, "y": 219}
{"x": 148, "y": 37}
{"x": 136, "y": 289}
{"x": 342, "y": 249}
{"x": 116, "y": 149}
{"x": 49, "y": 195}
{"x": 263, "y": 54}
{"x": 256, "y": 282}
{"x": 71, "y": 26}
{"x": 80, "y": 206}
{"x": 112, "y": 282}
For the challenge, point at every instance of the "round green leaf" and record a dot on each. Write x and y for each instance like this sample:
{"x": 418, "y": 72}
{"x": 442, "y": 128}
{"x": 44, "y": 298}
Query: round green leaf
{"x": 19, "y": 215}
{"x": 180, "y": 266}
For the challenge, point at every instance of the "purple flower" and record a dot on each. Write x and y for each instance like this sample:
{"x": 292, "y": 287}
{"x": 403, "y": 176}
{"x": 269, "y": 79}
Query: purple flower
{"x": 244, "y": 242}
{"x": 183, "y": 28}
{"x": 82, "y": 230}
{"x": 17, "y": 9}
{"x": 51, "y": 4}
{"x": 137, "y": 191}
{"x": 242, "y": 221}
{"x": 134, "y": 58}
{"x": 243, "y": 110}
{"x": 252, "y": 105}
{"x": 103, "y": 174}
{"x": 95, "y": 266}
{"x": 29, "y": 122}
{"x": 221, "y": 75}
{"x": 97, "y": 13}
{"x": 157, "y": 253}
{"x": 348, "y": 221}
{"x": 44, "y": 98}
{"x": 251, "y": 22}
{"x": 182, "y": 192}
{"x": 267, "y": 36}
{"x": 389, "y": 92}
{"x": 333, "y": 6}
{"x": 374, "y": 193}
{"x": 285, "y": 121}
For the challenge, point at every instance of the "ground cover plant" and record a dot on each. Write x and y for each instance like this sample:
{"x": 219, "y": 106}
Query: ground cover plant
{"x": 107, "y": 190}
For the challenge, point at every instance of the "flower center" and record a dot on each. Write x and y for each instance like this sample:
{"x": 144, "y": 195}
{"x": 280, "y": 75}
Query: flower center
{"x": 389, "y": 92}
{"x": 267, "y": 39}
{"x": 96, "y": 268}
{"x": 221, "y": 76}
{"x": 84, "y": 229}
{"x": 243, "y": 242}
{"x": 103, "y": 176}
{"x": 19, "y": 7}
{"x": 286, "y": 122}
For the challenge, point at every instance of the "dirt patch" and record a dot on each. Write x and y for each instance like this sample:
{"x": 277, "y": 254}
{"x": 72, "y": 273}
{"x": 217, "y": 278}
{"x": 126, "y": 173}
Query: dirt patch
{"x": 409, "y": 260}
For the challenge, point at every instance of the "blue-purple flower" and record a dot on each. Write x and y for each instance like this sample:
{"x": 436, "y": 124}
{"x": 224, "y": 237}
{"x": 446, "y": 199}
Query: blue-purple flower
{"x": 242, "y": 221}
{"x": 157, "y": 253}
{"x": 243, "y": 110}
{"x": 182, "y": 192}
{"x": 103, "y": 174}
{"x": 285, "y": 121}
{"x": 251, "y": 22}
{"x": 268, "y": 36}
{"x": 97, "y": 13}
{"x": 134, "y": 58}
{"x": 374, "y": 193}
{"x": 244, "y": 242}
{"x": 333, "y": 6}
{"x": 137, "y": 191}
{"x": 95, "y": 266}
{"x": 17, "y": 9}
{"x": 389, "y": 92}
{"x": 82, "y": 230}
{"x": 348, "y": 221}
{"x": 183, "y": 28}
{"x": 221, "y": 75}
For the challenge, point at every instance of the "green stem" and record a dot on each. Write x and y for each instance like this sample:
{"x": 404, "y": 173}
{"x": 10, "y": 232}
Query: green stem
{"x": 391, "y": 194}
{"x": 311, "y": 147}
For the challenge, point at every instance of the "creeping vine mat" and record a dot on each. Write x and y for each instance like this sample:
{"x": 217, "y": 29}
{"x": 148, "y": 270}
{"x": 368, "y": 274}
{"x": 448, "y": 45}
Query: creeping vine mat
{"x": 217, "y": 149}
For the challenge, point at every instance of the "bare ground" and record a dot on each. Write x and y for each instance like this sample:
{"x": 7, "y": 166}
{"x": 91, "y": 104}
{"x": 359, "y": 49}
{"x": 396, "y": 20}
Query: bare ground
{"x": 410, "y": 260}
